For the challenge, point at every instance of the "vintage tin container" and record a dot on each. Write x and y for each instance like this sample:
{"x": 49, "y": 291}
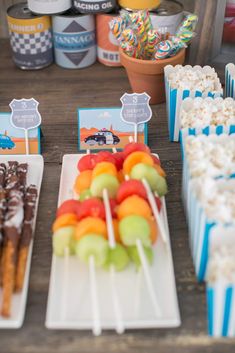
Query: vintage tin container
{"x": 74, "y": 40}
{"x": 30, "y": 38}
{"x": 168, "y": 16}
{"x": 49, "y": 7}
{"x": 107, "y": 44}
{"x": 94, "y": 6}
{"x": 139, "y": 4}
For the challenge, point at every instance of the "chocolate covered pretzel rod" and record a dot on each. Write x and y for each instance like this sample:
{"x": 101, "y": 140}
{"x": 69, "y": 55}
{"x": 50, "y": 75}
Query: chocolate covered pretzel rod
{"x": 26, "y": 236}
{"x": 12, "y": 179}
{"x": 22, "y": 170}
{"x": 2, "y": 211}
{"x": 12, "y": 229}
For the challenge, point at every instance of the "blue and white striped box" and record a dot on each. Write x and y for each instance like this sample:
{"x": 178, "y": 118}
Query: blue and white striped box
{"x": 220, "y": 287}
{"x": 188, "y": 105}
{"x": 186, "y": 175}
{"x": 175, "y": 97}
{"x": 229, "y": 80}
{"x": 202, "y": 229}
{"x": 221, "y": 309}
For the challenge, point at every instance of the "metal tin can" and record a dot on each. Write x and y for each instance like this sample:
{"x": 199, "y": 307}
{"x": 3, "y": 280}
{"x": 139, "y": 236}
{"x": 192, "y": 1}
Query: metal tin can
{"x": 48, "y": 7}
{"x": 94, "y": 6}
{"x": 168, "y": 16}
{"x": 30, "y": 38}
{"x": 139, "y": 4}
{"x": 107, "y": 44}
{"x": 74, "y": 40}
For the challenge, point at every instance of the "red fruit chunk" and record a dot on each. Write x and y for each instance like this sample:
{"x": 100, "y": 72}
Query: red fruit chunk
{"x": 134, "y": 147}
{"x": 113, "y": 206}
{"x": 105, "y": 156}
{"x": 68, "y": 206}
{"x": 155, "y": 159}
{"x": 119, "y": 159}
{"x": 129, "y": 188}
{"x": 92, "y": 207}
{"x": 87, "y": 162}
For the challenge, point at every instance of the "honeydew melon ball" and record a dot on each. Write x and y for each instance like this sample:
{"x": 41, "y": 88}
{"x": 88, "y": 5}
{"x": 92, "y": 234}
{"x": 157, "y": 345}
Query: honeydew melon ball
{"x": 134, "y": 227}
{"x": 63, "y": 238}
{"x": 92, "y": 245}
{"x": 134, "y": 255}
{"x": 85, "y": 194}
{"x": 104, "y": 181}
{"x": 118, "y": 257}
{"x": 156, "y": 182}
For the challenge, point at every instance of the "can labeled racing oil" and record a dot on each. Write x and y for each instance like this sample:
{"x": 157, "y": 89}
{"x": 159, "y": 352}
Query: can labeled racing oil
{"x": 94, "y": 6}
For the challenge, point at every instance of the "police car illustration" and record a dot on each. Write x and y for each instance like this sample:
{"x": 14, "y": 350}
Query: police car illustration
{"x": 6, "y": 142}
{"x": 102, "y": 137}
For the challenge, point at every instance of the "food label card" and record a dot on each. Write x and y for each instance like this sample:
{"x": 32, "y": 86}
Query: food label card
{"x": 103, "y": 128}
{"x": 12, "y": 139}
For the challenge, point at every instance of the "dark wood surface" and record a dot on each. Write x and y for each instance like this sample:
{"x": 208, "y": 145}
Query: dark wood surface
{"x": 60, "y": 92}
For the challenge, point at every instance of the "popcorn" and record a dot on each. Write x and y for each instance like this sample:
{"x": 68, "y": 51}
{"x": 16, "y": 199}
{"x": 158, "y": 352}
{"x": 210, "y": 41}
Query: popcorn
{"x": 217, "y": 197}
{"x": 221, "y": 265}
{"x": 204, "y": 112}
{"x": 210, "y": 156}
{"x": 194, "y": 79}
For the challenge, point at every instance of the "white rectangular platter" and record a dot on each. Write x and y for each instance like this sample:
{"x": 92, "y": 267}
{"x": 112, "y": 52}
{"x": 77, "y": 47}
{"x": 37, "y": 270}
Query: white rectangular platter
{"x": 69, "y": 301}
{"x": 34, "y": 176}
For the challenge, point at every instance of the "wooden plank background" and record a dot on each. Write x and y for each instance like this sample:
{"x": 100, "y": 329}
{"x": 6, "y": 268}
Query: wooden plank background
{"x": 4, "y": 4}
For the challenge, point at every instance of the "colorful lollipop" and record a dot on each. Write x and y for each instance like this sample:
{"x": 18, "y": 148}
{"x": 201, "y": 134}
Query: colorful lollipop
{"x": 117, "y": 26}
{"x": 163, "y": 49}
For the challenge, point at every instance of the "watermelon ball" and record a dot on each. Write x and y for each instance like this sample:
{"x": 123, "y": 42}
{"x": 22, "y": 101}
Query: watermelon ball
{"x": 68, "y": 206}
{"x": 158, "y": 203}
{"x": 134, "y": 147}
{"x": 63, "y": 238}
{"x": 135, "y": 227}
{"x": 87, "y": 162}
{"x": 105, "y": 156}
{"x": 93, "y": 245}
{"x": 118, "y": 257}
{"x": 119, "y": 159}
{"x": 113, "y": 206}
{"x": 129, "y": 188}
{"x": 92, "y": 207}
{"x": 104, "y": 181}
{"x": 156, "y": 182}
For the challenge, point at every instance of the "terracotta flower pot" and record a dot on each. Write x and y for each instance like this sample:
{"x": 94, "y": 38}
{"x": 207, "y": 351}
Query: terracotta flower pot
{"x": 148, "y": 75}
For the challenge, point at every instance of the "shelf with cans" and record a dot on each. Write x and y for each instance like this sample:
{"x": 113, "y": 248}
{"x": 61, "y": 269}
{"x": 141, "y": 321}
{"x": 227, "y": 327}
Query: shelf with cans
{"x": 78, "y": 31}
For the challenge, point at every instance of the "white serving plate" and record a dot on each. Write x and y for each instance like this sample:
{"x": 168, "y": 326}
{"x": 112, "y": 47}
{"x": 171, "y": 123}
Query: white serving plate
{"x": 136, "y": 306}
{"x": 34, "y": 176}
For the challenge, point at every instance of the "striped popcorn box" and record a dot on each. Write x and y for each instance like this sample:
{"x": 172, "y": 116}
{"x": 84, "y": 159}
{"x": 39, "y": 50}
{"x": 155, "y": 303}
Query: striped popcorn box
{"x": 199, "y": 154}
{"x": 187, "y": 81}
{"x": 211, "y": 213}
{"x": 220, "y": 286}
{"x": 207, "y": 116}
{"x": 229, "y": 80}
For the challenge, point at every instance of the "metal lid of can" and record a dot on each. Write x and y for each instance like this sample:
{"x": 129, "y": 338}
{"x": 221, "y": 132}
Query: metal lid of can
{"x": 21, "y": 11}
{"x": 168, "y": 8}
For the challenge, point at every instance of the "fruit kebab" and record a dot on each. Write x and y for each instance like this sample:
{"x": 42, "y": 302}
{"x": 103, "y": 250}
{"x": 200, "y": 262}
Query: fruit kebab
{"x": 104, "y": 176}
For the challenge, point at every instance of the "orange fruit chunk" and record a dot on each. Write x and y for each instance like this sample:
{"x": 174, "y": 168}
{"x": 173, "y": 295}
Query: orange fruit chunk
{"x": 136, "y": 158}
{"x": 91, "y": 225}
{"x": 104, "y": 168}
{"x": 153, "y": 229}
{"x": 83, "y": 181}
{"x": 134, "y": 205}
{"x": 67, "y": 219}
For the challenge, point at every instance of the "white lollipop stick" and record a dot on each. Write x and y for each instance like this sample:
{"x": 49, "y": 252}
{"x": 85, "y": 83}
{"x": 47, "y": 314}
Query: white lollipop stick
{"x": 135, "y": 132}
{"x": 148, "y": 278}
{"x": 112, "y": 243}
{"x": 65, "y": 284}
{"x": 114, "y": 150}
{"x": 155, "y": 210}
{"x": 94, "y": 298}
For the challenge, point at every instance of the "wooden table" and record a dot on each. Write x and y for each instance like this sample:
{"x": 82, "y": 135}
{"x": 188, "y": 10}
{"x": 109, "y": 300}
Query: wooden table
{"x": 60, "y": 92}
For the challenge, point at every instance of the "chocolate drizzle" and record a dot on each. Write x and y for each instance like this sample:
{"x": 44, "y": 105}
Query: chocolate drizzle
{"x": 29, "y": 212}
